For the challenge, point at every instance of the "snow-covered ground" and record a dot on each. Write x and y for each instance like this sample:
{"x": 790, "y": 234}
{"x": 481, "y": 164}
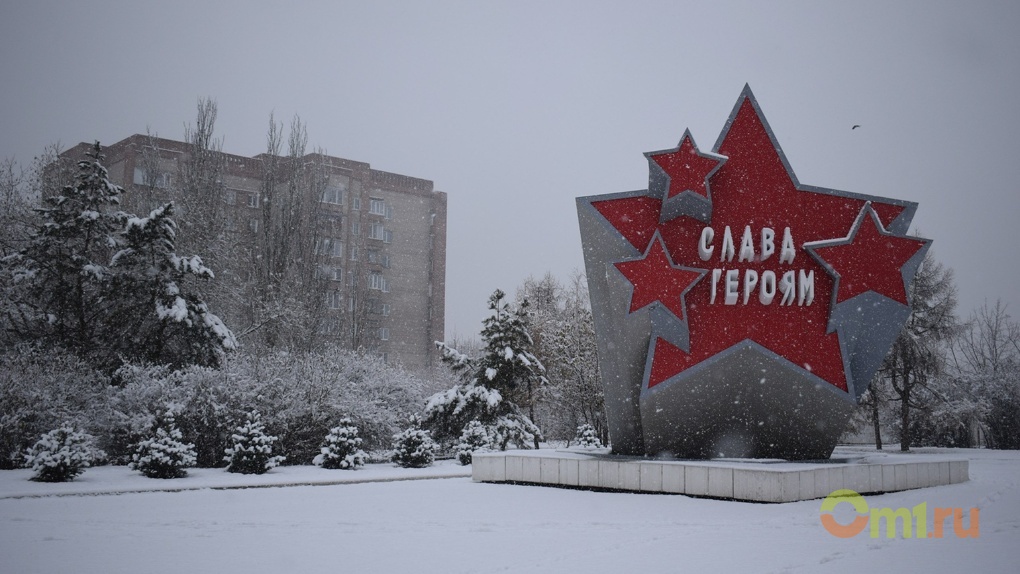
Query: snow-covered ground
{"x": 455, "y": 525}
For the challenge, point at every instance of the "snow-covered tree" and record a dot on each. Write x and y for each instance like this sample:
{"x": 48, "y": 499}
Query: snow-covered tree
{"x": 56, "y": 285}
{"x": 164, "y": 454}
{"x": 475, "y": 438}
{"x": 917, "y": 357}
{"x": 498, "y": 387}
{"x": 159, "y": 318}
{"x": 252, "y": 451}
{"x": 342, "y": 448}
{"x": 414, "y": 447}
{"x": 587, "y": 437}
{"x": 61, "y": 454}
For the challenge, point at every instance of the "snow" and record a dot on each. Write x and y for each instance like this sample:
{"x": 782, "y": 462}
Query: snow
{"x": 456, "y": 525}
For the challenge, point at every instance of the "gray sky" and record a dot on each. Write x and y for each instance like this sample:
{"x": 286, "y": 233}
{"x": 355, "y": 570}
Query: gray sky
{"x": 516, "y": 108}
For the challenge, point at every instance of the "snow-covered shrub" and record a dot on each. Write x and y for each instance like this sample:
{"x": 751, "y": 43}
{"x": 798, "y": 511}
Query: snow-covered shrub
{"x": 42, "y": 388}
{"x": 61, "y": 454}
{"x": 587, "y": 437}
{"x": 414, "y": 447}
{"x": 341, "y": 449}
{"x": 252, "y": 452}
{"x": 164, "y": 454}
{"x": 475, "y": 438}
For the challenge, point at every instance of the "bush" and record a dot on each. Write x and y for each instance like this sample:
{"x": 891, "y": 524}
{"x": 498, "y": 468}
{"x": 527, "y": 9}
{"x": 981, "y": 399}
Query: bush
{"x": 414, "y": 447}
{"x": 252, "y": 452}
{"x": 164, "y": 455}
{"x": 475, "y": 438}
{"x": 61, "y": 454}
{"x": 341, "y": 449}
{"x": 587, "y": 437}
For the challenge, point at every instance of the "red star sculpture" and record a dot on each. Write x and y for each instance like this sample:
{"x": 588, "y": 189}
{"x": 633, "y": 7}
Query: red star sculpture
{"x": 755, "y": 188}
{"x": 686, "y": 168}
{"x": 868, "y": 259}
{"x": 656, "y": 279}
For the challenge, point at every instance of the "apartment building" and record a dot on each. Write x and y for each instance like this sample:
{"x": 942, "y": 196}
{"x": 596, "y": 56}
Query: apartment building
{"x": 372, "y": 243}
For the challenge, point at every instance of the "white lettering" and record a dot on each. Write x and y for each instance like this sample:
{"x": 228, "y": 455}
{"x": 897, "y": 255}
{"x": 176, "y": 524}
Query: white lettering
{"x": 788, "y": 288}
{"x": 768, "y": 242}
{"x": 716, "y": 274}
{"x": 747, "y": 245}
{"x": 768, "y": 287}
{"x": 750, "y": 280}
{"x": 732, "y": 285}
{"x": 789, "y": 251}
{"x": 806, "y": 288}
{"x": 726, "y": 253}
{"x": 705, "y": 247}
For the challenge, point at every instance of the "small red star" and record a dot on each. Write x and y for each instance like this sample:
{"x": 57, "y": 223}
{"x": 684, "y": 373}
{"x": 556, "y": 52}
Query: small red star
{"x": 869, "y": 259}
{"x": 655, "y": 278}
{"x": 687, "y": 169}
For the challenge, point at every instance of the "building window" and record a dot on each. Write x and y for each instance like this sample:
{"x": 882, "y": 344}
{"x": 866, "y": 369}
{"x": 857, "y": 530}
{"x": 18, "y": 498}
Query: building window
{"x": 333, "y": 194}
{"x": 389, "y": 212}
{"x": 230, "y": 197}
{"x": 355, "y": 228}
{"x": 386, "y": 309}
{"x": 376, "y": 206}
{"x": 329, "y": 246}
{"x": 338, "y": 274}
{"x": 354, "y": 252}
{"x": 384, "y": 333}
{"x": 350, "y": 304}
{"x": 253, "y": 225}
{"x": 378, "y": 282}
{"x": 356, "y": 203}
{"x": 335, "y": 300}
{"x": 377, "y": 231}
{"x": 253, "y": 200}
{"x": 160, "y": 180}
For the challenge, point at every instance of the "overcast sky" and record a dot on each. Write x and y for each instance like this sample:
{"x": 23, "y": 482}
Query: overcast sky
{"x": 516, "y": 108}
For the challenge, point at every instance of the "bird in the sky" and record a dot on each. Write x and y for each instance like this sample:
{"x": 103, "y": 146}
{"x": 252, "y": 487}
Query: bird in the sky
{"x": 855, "y": 126}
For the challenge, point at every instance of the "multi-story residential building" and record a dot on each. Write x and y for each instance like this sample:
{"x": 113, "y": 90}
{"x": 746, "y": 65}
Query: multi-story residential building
{"x": 354, "y": 254}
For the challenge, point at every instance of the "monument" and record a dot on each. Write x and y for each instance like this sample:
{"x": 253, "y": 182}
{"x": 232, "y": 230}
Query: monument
{"x": 739, "y": 314}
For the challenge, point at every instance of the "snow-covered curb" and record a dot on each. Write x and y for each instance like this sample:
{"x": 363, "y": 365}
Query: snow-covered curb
{"x": 122, "y": 480}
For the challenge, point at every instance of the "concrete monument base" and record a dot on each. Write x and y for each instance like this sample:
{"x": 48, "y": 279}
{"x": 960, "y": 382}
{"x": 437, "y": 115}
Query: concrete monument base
{"x": 752, "y": 480}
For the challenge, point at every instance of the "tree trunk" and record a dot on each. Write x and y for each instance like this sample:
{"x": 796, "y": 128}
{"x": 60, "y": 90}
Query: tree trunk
{"x": 905, "y": 419}
{"x": 874, "y": 420}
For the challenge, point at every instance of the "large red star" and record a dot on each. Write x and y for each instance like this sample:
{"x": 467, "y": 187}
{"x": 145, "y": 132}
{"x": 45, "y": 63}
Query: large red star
{"x": 753, "y": 188}
{"x": 869, "y": 259}
{"x": 655, "y": 278}
{"x": 687, "y": 169}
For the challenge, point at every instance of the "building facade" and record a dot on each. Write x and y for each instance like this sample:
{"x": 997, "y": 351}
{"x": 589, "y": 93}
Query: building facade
{"x": 317, "y": 249}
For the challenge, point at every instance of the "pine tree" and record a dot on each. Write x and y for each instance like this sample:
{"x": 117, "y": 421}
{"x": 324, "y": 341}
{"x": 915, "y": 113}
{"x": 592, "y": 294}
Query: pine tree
{"x": 341, "y": 449}
{"x": 497, "y": 388}
{"x": 587, "y": 437}
{"x": 475, "y": 438}
{"x": 164, "y": 455}
{"x": 61, "y": 454}
{"x": 160, "y": 320}
{"x": 252, "y": 452}
{"x": 414, "y": 447}
{"x": 58, "y": 280}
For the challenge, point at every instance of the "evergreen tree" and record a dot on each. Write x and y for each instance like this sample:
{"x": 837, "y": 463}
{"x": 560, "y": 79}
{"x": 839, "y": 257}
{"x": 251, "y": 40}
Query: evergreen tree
{"x": 61, "y": 454}
{"x": 164, "y": 455}
{"x": 587, "y": 437}
{"x": 252, "y": 452}
{"x": 160, "y": 320}
{"x": 342, "y": 448}
{"x": 57, "y": 283}
{"x": 414, "y": 447}
{"x": 475, "y": 438}
{"x": 496, "y": 389}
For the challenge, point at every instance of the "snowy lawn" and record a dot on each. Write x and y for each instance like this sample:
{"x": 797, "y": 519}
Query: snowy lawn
{"x": 455, "y": 525}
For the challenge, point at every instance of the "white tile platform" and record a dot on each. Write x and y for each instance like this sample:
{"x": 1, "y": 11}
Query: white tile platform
{"x": 747, "y": 480}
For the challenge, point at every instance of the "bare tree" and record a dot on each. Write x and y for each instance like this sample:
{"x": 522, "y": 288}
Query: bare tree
{"x": 918, "y": 355}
